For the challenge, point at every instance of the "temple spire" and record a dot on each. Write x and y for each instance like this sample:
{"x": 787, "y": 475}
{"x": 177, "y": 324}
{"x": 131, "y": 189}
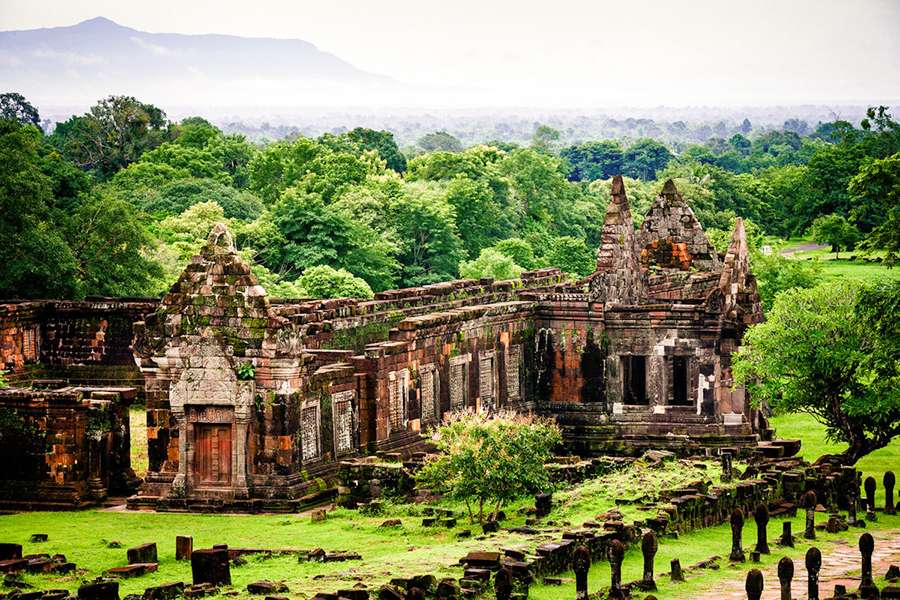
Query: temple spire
{"x": 618, "y": 276}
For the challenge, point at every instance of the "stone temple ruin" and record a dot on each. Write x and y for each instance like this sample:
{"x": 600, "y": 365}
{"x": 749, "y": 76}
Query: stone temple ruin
{"x": 253, "y": 402}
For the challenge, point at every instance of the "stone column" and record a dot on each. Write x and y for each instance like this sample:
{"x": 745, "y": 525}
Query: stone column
{"x": 867, "y": 587}
{"x": 737, "y": 526}
{"x": 787, "y": 538}
{"x": 851, "y": 511}
{"x": 649, "y": 546}
{"x": 616, "y": 554}
{"x": 184, "y": 546}
{"x": 727, "y": 468}
{"x": 761, "y": 516}
{"x": 785, "y": 575}
{"x": 889, "y": 482}
{"x": 870, "y": 486}
{"x": 581, "y": 564}
{"x": 675, "y": 573}
{"x": 243, "y": 414}
{"x": 754, "y": 585}
{"x": 813, "y": 564}
{"x": 503, "y": 585}
{"x": 809, "y": 502}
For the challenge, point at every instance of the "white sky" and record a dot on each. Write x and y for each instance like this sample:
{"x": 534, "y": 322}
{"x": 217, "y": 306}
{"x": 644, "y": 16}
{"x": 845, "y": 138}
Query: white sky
{"x": 565, "y": 52}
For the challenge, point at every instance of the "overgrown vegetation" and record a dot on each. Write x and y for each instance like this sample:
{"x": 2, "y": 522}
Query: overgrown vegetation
{"x": 831, "y": 351}
{"x": 490, "y": 460}
{"x": 116, "y": 201}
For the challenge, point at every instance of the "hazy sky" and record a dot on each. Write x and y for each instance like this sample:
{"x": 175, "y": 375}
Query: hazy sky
{"x": 665, "y": 52}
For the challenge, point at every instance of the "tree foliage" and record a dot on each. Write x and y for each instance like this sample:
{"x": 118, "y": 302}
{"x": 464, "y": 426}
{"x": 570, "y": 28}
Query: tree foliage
{"x": 831, "y": 351}
{"x": 490, "y": 460}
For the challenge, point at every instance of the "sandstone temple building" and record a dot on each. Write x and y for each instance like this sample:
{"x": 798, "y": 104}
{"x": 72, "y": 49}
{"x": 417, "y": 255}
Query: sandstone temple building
{"x": 253, "y": 401}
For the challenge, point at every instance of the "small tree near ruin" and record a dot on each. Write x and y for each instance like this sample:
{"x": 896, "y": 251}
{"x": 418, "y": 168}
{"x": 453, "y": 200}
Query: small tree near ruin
{"x": 831, "y": 351}
{"x": 490, "y": 460}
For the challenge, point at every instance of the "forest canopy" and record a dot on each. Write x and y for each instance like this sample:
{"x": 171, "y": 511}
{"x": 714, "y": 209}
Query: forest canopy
{"x": 115, "y": 201}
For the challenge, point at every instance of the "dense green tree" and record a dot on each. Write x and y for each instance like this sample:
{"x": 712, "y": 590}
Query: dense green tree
{"x": 15, "y": 107}
{"x": 440, "y": 140}
{"x": 572, "y": 255}
{"x": 426, "y": 227}
{"x": 593, "y": 160}
{"x": 835, "y": 231}
{"x": 233, "y": 153}
{"x": 195, "y": 132}
{"x": 307, "y": 233}
{"x": 876, "y": 189}
{"x": 197, "y": 162}
{"x": 480, "y": 219}
{"x": 383, "y": 143}
{"x": 490, "y": 263}
{"x": 323, "y": 281}
{"x": 37, "y": 261}
{"x": 644, "y": 158}
{"x": 831, "y": 351}
{"x": 113, "y": 134}
{"x": 520, "y": 251}
{"x": 179, "y": 195}
{"x": 776, "y": 273}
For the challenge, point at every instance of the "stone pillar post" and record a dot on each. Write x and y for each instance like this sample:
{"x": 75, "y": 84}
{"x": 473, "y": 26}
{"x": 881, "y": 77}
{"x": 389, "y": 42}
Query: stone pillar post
{"x": 737, "y": 526}
{"x": 616, "y": 554}
{"x": 867, "y": 587}
{"x": 809, "y": 502}
{"x": 785, "y": 575}
{"x": 581, "y": 564}
{"x": 787, "y": 538}
{"x": 503, "y": 584}
{"x": 761, "y": 516}
{"x": 870, "y": 486}
{"x": 675, "y": 573}
{"x": 851, "y": 511}
{"x": 754, "y": 585}
{"x": 649, "y": 546}
{"x": 727, "y": 467}
{"x": 889, "y": 482}
{"x": 813, "y": 564}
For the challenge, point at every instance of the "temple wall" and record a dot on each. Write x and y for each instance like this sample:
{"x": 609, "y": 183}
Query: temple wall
{"x": 79, "y": 342}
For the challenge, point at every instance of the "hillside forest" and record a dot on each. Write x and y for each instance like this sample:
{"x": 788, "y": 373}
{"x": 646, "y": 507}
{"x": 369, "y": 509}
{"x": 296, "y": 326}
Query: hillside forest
{"x": 115, "y": 201}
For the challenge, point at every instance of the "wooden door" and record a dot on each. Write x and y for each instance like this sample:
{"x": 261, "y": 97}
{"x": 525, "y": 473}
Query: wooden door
{"x": 212, "y": 454}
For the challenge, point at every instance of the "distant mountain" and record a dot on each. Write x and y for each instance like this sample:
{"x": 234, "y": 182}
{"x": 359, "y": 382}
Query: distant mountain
{"x": 95, "y": 58}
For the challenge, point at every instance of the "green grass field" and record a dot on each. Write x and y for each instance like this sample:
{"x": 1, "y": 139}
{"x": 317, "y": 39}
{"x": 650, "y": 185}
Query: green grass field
{"x": 840, "y": 268}
{"x": 83, "y": 536}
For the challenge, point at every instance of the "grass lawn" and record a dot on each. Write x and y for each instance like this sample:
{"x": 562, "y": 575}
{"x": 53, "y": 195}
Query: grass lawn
{"x": 138, "y": 430}
{"x": 839, "y": 268}
{"x": 412, "y": 549}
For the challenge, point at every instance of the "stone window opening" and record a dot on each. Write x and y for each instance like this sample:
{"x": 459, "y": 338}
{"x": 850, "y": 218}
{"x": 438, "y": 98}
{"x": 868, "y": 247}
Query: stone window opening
{"x": 513, "y": 372}
{"x": 459, "y": 382}
{"x": 309, "y": 432}
{"x": 634, "y": 380}
{"x": 343, "y": 416}
{"x": 429, "y": 393}
{"x": 681, "y": 381}
{"x": 398, "y": 382}
{"x": 486, "y": 381}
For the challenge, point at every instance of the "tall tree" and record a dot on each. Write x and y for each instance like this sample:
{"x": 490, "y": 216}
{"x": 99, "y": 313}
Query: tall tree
{"x": 113, "y": 134}
{"x": 831, "y": 351}
{"x": 15, "y": 107}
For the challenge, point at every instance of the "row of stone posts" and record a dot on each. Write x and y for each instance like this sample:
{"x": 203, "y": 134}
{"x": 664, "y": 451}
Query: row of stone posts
{"x": 754, "y": 585}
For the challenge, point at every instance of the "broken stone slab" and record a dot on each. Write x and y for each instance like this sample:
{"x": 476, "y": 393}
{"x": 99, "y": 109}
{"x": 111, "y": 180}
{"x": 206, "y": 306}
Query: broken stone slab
{"x": 37, "y": 538}
{"x": 200, "y": 590}
{"x": 211, "y": 566}
{"x": 10, "y": 551}
{"x": 260, "y": 588}
{"x": 132, "y": 570}
{"x": 184, "y": 545}
{"x": 143, "y": 554}
{"x": 490, "y": 560}
{"x": 354, "y": 594}
{"x": 99, "y": 590}
{"x": 13, "y": 565}
{"x": 391, "y": 523}
{"x": 166, "y": 591}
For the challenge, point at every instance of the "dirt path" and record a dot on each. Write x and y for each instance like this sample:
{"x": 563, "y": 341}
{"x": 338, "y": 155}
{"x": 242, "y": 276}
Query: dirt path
{"x": 803, "y": 248}
{"x": 841, "y": 565}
